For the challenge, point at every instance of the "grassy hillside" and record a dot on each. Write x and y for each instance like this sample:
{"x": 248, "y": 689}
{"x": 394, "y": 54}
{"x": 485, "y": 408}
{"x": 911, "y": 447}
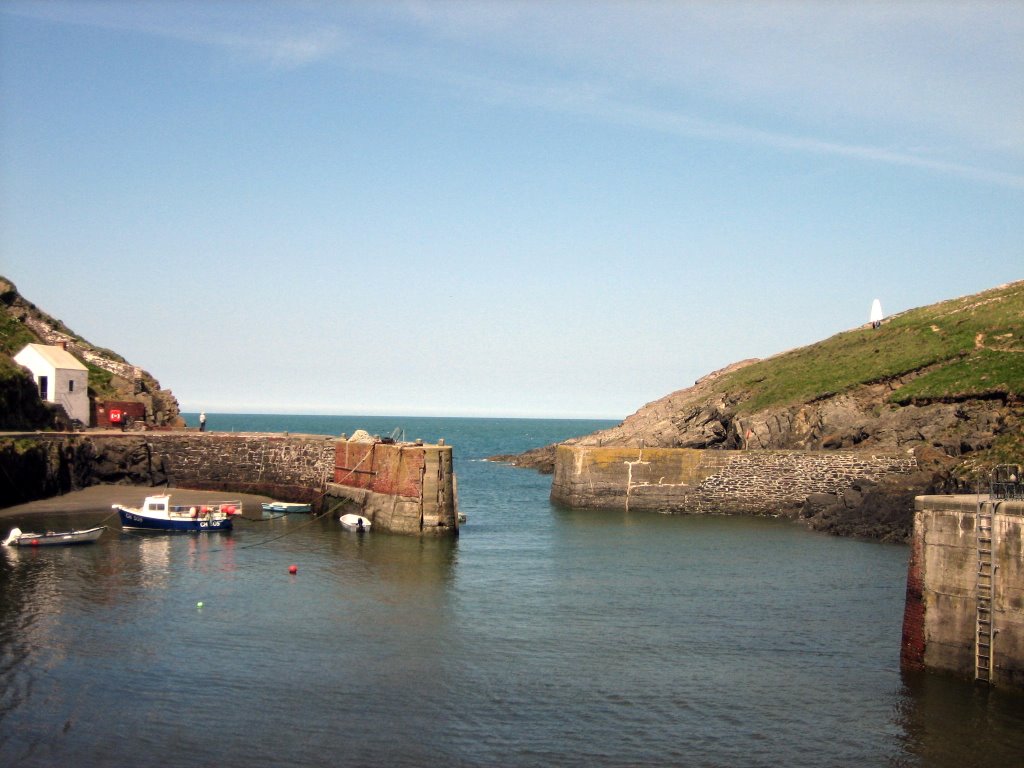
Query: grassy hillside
{"x": 110, "y": 376}
{"x": 13, "y": 337}
{"x": 971, "y": 347}
{"x": 20, "y": 407}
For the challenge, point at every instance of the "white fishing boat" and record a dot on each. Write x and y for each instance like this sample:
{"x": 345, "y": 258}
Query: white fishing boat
{"x": 354, "y": 522}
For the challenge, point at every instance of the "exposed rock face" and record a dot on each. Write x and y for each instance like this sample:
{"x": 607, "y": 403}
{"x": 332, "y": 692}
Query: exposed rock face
{"x": 20, "y": 405}
{"x": 123, "y": 381}
{"x": 35, "y": 468}
{"x": 695, "y": 418}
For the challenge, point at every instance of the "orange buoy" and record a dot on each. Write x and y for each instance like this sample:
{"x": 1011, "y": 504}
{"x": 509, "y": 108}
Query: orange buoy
{"x": 293, "y": 569}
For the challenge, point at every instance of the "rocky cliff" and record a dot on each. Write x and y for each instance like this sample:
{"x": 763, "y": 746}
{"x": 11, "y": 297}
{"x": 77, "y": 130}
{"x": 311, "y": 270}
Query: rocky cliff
{"x": 946, "y": 381}
{"x": 111, "y": 377}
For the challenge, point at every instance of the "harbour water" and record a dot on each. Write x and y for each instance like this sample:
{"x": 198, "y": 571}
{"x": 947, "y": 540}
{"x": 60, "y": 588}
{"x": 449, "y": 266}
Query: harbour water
{"x": 539, "y": 637}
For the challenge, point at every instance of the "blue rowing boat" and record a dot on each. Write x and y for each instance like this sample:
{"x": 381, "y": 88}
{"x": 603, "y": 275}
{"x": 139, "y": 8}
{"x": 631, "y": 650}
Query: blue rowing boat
{"x": 285, "y": 506}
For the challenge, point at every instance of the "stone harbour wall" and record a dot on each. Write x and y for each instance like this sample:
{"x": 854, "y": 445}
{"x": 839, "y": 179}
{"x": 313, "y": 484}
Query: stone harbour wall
{"x": 286, "y": 467}
{"x": 408, "y": 488}
{"x": 401, "y": 487}
{"x": 685, "y": 480}
{"x": 946, "y": 586}
{"x": 294, "y": 468}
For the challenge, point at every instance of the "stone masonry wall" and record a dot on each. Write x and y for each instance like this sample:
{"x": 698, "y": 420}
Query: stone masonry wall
{"x": 290, "y": 468}
{"x": 401, "y": 487}
{"x": 684, "y": 480}
{"x": 941, "y": 611}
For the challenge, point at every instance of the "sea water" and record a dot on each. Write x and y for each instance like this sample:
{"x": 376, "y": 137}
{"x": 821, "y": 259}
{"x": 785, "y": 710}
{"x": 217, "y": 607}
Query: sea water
{"x": 541, "y": 636}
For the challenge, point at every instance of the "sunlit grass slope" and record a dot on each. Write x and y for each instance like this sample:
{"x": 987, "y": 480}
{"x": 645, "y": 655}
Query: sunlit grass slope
{"x": 970, "y": 347}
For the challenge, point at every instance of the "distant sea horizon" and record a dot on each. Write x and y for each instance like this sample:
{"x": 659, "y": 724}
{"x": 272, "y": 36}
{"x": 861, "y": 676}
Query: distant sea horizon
{"x": 193, "y": 415}
{"x": 472, "y": 437}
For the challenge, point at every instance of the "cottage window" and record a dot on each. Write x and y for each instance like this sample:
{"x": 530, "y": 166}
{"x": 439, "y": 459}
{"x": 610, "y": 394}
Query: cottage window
{"x": 71, "y": 386}
{"x": 44, "y": 386}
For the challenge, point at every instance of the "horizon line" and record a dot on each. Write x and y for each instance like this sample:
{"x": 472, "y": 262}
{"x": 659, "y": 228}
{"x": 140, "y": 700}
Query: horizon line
{"x": 520, "y": 417}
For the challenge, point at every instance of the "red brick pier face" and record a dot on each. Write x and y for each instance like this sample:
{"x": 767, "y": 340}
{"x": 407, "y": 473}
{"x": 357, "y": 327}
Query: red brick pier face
{"x": 404, "y": 488}
{"x": 396, "y": 470}
{"x": 913, "y": 646}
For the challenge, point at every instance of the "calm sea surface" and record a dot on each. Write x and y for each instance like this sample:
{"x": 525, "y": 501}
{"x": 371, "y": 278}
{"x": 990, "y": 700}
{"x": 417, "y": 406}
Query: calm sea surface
{"x": 540, "y": 637}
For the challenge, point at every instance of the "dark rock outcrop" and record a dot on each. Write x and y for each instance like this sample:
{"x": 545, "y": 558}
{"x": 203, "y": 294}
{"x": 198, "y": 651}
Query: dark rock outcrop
{"x": 20, "y": 406}
{"x": 40, "y": 467}
{"x": 881, "y": 510}
{"x": 861, "y": 418}
{"x": 541, "y": 459}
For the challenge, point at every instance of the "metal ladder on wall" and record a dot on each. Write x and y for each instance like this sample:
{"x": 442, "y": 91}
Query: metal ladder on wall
{"x": 984, "y": 593}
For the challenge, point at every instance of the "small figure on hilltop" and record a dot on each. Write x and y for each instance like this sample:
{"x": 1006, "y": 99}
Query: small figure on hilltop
{"x": 202, "y": 421}
{"x": 876, "y": 314}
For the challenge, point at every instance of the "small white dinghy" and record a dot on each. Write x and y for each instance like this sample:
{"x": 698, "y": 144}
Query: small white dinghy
{"x": 19, "y": 539}
{"x": 353, "y": 522}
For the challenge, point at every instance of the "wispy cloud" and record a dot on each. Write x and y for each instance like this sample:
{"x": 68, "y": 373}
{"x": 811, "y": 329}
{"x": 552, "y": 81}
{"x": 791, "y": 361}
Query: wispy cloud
{"x": 275, "y": 34}
{"x": 284, "y": 49}
{"x": 683, "y": 125}
{"x": 855, "y": 80}
{"x": 609, "y": 102}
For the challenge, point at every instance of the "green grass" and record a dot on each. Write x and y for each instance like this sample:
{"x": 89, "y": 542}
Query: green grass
{"x": 968, "y": 347}
{"x": 101, "y": 382}
{"x": 983, "y": 373}
{"x": 14, "y": 335}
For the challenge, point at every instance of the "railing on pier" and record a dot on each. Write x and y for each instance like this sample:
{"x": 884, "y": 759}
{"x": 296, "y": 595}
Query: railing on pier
{"x": 1006, "y": 482}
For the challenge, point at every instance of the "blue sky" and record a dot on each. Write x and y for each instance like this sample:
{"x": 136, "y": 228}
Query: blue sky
{"x": 498, "y": 208}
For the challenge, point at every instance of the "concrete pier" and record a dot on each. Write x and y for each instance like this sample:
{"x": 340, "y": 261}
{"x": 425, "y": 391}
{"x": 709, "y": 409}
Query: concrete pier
{"x": 964, "y": 610}
{"x": 687, "y": 480}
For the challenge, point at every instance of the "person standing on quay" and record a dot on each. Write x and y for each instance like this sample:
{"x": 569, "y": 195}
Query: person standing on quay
{"x": 202, "y": 421}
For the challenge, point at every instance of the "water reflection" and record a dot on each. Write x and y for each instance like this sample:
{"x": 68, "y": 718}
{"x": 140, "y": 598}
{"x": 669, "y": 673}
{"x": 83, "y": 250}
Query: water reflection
{"x": 947, "y": 721}
{"x": 538, "y": 637}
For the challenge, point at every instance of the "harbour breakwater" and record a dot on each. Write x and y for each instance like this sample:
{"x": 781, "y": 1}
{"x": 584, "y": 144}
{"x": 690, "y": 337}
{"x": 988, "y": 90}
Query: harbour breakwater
{"x": 403, "y": 487}
{"x": 689, "y": 480}
{"x": 964, "y": 610}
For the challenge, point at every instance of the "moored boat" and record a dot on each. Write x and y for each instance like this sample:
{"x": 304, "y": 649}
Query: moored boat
{"x": 285, "y": 506}
{"x": 353, "y": 522}
{"x": 158, "y": 514}
{"x": 17, "y": 538}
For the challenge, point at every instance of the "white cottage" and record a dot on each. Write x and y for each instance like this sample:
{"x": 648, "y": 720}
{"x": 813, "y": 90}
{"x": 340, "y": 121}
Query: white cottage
{"x": 61, "y": 378}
